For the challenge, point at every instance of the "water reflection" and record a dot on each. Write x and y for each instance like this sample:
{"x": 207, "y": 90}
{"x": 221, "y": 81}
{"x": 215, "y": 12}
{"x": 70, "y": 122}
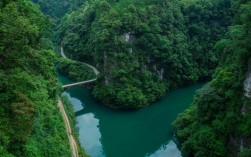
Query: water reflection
{"x": 88, "y": 126}
{"x": 89, "y": 135}
{"x": 145, "y": 133}
{"x": 77, "y": 104}
{"x": 168, "y": 150}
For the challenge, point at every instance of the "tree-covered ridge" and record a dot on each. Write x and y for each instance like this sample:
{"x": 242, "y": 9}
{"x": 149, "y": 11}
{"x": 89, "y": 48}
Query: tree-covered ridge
{"x": 58, "y": 8}
{"x": 30, "y": 124}
{"x": 144, "y": 48}
{"x": 206, "y": 22}
{"x": 218, "y": 122}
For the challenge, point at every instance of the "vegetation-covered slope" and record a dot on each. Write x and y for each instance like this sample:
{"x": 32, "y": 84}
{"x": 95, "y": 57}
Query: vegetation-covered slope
{"x": 144, "y": 48}
{"x": 58, "y": 8}
{"x": 30, "y": 123}
{"x": 76, "y": 71}
{"x": 218, "y": 124}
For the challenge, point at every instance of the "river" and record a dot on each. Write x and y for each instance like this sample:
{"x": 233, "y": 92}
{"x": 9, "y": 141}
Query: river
{"x": 104, "y": 132}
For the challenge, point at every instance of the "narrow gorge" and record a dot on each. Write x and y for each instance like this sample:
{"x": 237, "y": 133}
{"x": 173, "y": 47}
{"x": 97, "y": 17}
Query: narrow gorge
{"x": 152, "y": 78}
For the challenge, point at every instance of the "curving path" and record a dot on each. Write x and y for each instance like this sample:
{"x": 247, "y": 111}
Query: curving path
{"x": 72, "y": 141}
{"x": 73, "y": 144}
{"x": 82, "y": 82}
{"x": 92, "y": 67}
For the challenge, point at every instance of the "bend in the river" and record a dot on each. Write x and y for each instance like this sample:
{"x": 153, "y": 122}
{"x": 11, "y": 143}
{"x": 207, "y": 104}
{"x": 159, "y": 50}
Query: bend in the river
{"x": 104, "y": 132}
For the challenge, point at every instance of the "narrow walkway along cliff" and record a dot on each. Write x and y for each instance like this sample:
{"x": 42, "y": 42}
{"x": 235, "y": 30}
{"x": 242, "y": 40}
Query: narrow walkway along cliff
{"x": 72, "y": 141}
{"x": 82, "y": 82}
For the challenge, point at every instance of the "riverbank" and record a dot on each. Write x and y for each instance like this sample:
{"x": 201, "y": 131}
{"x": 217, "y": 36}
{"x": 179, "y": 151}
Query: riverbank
{"x": 67, "y": 106}
{"x": 147, "y": 132}
{"x": 72, "y": 141}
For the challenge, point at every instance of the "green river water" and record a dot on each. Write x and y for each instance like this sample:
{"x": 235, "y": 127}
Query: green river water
{"x": 104, "y": 132}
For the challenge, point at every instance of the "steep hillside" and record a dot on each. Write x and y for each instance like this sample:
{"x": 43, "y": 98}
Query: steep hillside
{"x": 218, "y": 124}
{"x": 30, "y": 123}
{"x": 56, "y": 9}
{"x": 144, "y": 48}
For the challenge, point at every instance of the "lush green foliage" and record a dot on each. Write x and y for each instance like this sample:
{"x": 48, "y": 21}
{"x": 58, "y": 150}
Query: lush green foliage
{"x": 70, "y": 113}
{"x": 75, "y": 70}
{"x": 218, "y": 122}
{"x": 206, "y": 22}
{"x": 57, "y": 8}
{"x": 30, "y": 123}
{"x": 144, "y": 48}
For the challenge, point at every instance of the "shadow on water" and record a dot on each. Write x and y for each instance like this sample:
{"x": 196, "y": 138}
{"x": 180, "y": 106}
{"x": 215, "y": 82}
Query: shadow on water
{"x": 113, "y": 133}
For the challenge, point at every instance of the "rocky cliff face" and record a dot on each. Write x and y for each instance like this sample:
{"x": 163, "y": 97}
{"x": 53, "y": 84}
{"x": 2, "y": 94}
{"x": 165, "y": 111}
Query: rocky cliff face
{"x": 246, "y": 107}
{"x": 247, "y": 82}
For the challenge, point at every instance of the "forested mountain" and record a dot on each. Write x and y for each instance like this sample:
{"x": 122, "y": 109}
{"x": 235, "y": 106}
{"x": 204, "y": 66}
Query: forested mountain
{"x": 30, "y": 123}
{"x": 218, "y": 124}
{"x": 58, "y": 8}
{"x": 144, "y": 48}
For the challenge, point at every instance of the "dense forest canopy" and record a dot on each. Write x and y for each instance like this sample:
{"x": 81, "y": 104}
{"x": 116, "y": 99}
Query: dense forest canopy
{"x": 218, "y": 124}
{"x": 30, "y": 123}
{"x": 57, "y": 8}
{"x": 144, "y": 48}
